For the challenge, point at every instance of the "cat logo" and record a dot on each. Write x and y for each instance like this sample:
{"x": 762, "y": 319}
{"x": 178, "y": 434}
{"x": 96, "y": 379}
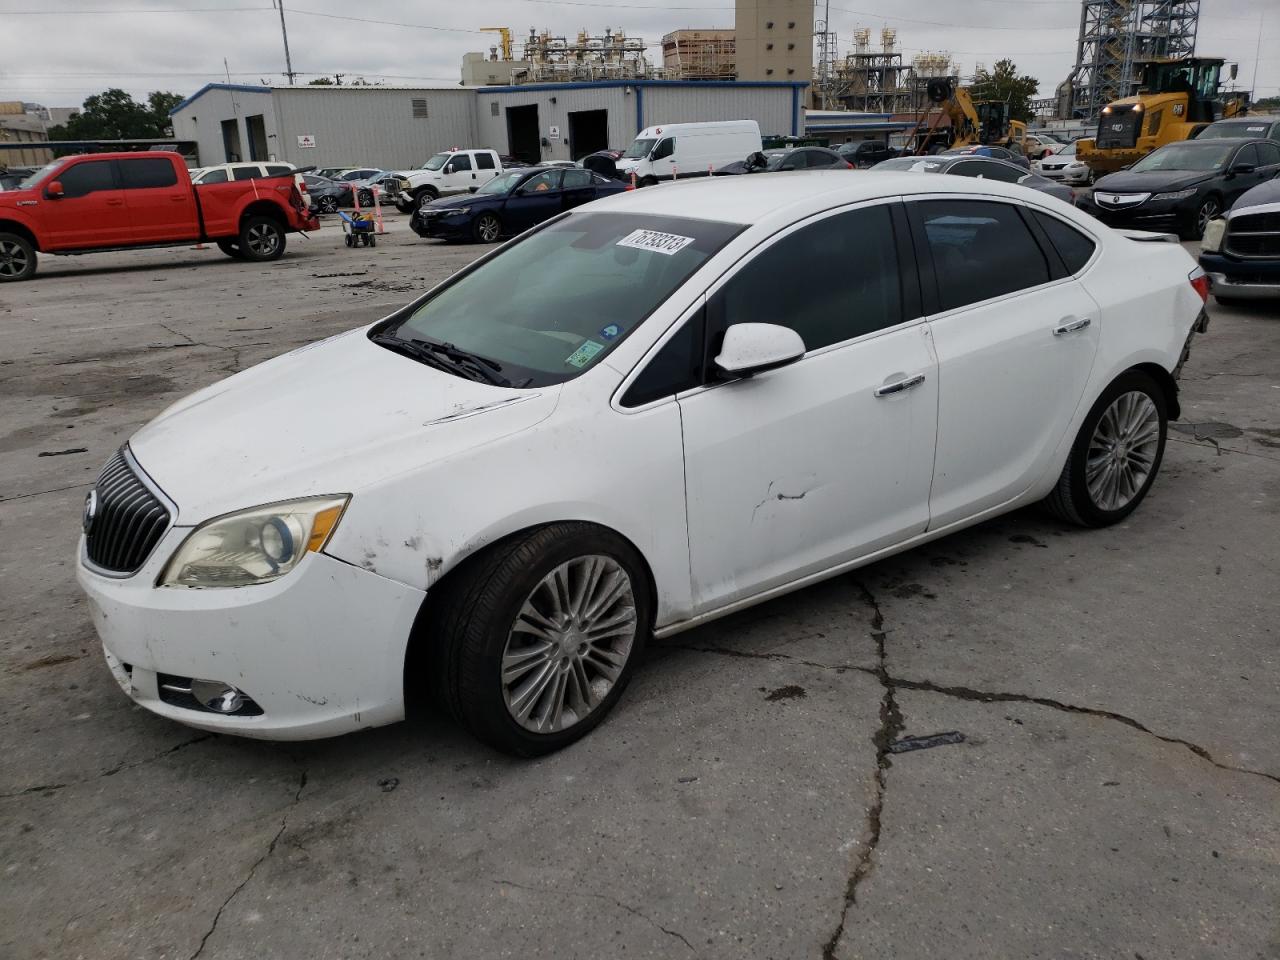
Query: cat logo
{"x": 1117, "y": 127}
{"x": 1178, "y": 109}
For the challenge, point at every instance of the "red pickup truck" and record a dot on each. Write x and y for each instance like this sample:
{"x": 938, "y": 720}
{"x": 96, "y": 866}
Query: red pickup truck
{"x": 118, "y": 201}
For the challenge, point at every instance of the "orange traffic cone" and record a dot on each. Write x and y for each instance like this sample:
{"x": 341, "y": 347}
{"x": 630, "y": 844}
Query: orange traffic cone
{"x": 632, "y": 185}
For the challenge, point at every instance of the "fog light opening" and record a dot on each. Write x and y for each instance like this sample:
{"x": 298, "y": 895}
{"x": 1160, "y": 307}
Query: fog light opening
{"x": 217, "y": 696}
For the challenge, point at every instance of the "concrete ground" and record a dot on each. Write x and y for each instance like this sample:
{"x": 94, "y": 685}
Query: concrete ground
{"x": 1108, "y": 785}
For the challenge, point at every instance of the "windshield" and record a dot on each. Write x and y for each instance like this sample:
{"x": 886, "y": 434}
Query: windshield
{"x": 503, "y": 184}
{"x": 436, "y": 162}
{"x": 553, "y": 305}
{"x": 638, "y": 149}
{"x": 1068, "y": 151}
{"x": 1185, "y": 156}
{"x": 39, "y": 175}
{"x": 914, "y": 164}
{"x": 1218, "y": 131}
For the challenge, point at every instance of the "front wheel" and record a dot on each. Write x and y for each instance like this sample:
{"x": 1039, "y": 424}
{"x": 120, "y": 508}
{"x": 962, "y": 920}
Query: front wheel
{"x": 1116, "y": 454}
{"x": 536, "y": 639}
{"x": 17, "y": 258}
{"x": 1208, "y": 209}
{"x": 261, "y": 238}
{"x": 425, "y": 196}
{"x": 328, "y": 204}
{"x": 231, "y": 249}
{"x": 487, "y": 228}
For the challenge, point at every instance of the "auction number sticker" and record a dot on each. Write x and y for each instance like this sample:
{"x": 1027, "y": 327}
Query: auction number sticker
{"x": 668, "y": 244}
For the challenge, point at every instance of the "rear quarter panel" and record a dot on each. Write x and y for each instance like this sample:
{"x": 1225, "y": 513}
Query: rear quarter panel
{"x": 223, "y": 204}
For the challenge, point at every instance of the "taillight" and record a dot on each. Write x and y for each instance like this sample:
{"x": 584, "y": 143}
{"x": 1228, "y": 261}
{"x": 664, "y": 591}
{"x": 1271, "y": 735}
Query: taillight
{"x": 848, "y": 165}
{"x": 1200, "y": 282}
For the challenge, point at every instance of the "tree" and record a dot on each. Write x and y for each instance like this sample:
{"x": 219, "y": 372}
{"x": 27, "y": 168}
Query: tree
{"x": 320, "y": 82}
{"x": 1004, "y": 84}
{"x": 115, "y": 115}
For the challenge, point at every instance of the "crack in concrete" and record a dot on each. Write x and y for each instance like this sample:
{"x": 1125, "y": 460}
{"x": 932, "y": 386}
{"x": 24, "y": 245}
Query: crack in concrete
{"x": 232, "y": 367}
{"x": 41, "y": 493}
{"x": 118, "y": 768}
{"x": 1221, "y": 449}
{"x": 271, "y": 848}
{"x": 891, "y": 725}
{"x": 750, "y": 655}
{"x": 600, "y": 896}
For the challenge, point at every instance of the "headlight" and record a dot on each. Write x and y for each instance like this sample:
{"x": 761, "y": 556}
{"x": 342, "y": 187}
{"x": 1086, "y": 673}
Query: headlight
{"x": 457, "y": 211}
{"x": 253, "y": 546}
{"x": 1211, "y": 242}
{"x": 1177, "y": 194}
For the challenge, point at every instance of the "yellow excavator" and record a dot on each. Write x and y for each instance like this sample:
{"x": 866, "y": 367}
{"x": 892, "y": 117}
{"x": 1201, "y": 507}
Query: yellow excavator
{"x": 973, "y": 122}
{"x": 1175, "y": 99}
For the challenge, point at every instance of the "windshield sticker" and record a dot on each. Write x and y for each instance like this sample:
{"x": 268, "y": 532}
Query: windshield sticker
{"x": 610, "y": 331}
{"x": 582, "y": 356}
{"x": 667, "y": 244}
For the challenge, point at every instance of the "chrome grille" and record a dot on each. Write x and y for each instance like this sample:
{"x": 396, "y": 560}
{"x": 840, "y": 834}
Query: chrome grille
{"x": 1268, "y": 222}
{"x": 129, "y": 520}
{"x": 1254, "y": 235}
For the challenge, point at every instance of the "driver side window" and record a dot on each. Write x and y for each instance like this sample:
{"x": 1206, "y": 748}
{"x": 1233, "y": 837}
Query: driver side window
{"x": 664, "y": 149}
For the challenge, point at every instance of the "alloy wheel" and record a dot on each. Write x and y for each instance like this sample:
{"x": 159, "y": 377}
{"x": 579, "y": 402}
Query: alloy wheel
{"x": 328, "y": 204}
{"x": 488, "y": 227}
{"x": 13, "y": 259}
{"x": 1122, "y": 450}
{"x": 263, "y": 239}
{"x": 569, "y": 644}
{"x": 1208, "y": 210}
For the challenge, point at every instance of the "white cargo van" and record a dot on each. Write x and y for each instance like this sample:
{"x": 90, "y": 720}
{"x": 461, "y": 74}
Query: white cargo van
{"x": 688, "y": 149}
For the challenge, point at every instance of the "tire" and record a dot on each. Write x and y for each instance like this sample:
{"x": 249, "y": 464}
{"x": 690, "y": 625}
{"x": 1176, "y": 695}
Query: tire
{"x": 406, "y": 207}
{"x": 261, "y": 238}
{"x": 487, "y": 228}
{"x": 17, "y": 258}
{"x": 373, "y": 241}
{"x": 1137, "y": 405}
{"x": 328, "y": 204}
{"x": 231, "y": 248}
{"x": 474, "y": 631}
{"x": 648, "y": 181}
{"x": 424, "y": 196}
{"x": 1209, "y": 208}
{"x": 366, "y": 198}
{"x": 350, "y": 240}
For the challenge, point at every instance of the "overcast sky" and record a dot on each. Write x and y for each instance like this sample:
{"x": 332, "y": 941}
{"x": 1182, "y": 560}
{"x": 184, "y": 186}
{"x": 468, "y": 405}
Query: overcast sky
{"x": 57, "y": 52}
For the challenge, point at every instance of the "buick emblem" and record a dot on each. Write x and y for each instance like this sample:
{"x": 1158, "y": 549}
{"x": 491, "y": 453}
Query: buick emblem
{"x": 90, "y": 511}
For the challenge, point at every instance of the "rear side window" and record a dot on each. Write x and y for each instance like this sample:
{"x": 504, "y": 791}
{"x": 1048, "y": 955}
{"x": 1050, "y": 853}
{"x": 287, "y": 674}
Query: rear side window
{"x": 86, "y": 178}
{"x": 141, "y": 174}
{"x": 484, "y": 161}
{"x": 277, "y": 168}
{"x": 858, "y": 293}
{"x": 980, "y": 250}
{"x": 246, "y": 173}
{"x": 678, "y": 366}
{"x": 214, "y": 176}
{"x": 988, "y": 171}
{"x": 1072, "y": 245}
{"x": 576, "y": 179}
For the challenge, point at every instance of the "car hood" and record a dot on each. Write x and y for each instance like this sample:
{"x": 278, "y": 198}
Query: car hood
{"x": 1268, "y": 192}
{"x": 333, "y": 417}
{"x": 1154, "y": 181}
{"x": 462, "y": 200}
{"x": 14, "y": 198}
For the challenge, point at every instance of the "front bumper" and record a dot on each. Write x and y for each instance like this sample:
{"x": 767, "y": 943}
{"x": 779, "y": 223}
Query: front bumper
{"x": 321, "y": 650}
{"x": 442, "y": 228}
{"x": 1242, "y": 279}
{"x": 1162, "y": 215}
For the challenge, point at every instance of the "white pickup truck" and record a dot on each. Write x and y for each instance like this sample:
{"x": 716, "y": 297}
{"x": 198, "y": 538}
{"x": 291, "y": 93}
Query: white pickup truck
{"x": 453, "y": 171}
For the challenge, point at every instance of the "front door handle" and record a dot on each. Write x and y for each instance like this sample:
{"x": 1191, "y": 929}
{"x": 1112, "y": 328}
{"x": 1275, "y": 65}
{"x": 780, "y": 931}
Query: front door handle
{"x": 889, "y": 389}
{"x": 115, "y": 202}
{"x": 1071, "y": 325}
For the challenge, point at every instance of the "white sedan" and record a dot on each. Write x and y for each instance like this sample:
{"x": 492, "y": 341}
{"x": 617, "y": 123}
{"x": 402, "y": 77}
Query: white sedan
{"x": 638, "y": 417}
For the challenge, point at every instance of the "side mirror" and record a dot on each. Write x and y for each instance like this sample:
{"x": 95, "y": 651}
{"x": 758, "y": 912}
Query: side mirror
{"x": 54, "y": 190}
{"x": 751, "y": 348}
{"x": 1243, "y": 168}
{"x": 472, "y": 189}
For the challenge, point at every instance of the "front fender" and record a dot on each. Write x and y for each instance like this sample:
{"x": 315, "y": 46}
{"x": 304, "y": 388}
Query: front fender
{"x": 19, "y": 218}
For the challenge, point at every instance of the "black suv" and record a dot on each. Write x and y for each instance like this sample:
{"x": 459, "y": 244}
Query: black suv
{"x": 867, "y": 153}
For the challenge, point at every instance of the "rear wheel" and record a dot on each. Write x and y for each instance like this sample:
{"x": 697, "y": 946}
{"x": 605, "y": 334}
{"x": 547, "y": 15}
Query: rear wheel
{"x": 538, "y": 637}
{"x": 261, "y": 238}
{"x": 17, "y": 258}
{"x": 231, "y": 248}
{"x": 1116, "y": 454}
{"x": 328, "y": 204}
{"x": 487, "y": 228}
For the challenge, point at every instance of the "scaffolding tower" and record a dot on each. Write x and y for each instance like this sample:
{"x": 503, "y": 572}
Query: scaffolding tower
{"x": 699, "y": 55}
{"x": 876, "y": 80}
{"x": 1115, "y": 37}
{"x": 612, "y": 56}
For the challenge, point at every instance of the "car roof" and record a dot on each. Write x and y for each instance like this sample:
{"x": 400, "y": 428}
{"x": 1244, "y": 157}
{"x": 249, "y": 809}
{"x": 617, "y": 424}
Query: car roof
{"x": 753, "y": 199}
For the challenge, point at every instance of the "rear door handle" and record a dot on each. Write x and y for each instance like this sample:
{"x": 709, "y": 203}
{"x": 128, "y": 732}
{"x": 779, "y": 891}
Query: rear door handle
{"x": 1071, "y": 325}
{"x": 115, "y": 202}
{"x": 889, "y": 389}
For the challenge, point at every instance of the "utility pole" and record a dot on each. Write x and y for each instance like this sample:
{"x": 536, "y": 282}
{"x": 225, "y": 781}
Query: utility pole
{"x": 288, "y": 62}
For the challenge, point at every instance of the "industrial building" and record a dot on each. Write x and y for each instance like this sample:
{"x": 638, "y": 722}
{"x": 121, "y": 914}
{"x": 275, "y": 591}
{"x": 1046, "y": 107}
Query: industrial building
{"x": 18, "y": 126}
{"x": 699, "y": 55}
{"x": 773, "y": 39}
{"x": 401, "y": 127}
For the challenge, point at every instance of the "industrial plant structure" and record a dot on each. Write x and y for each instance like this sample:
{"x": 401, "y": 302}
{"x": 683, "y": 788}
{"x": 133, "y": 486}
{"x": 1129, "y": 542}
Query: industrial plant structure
{"x": 699, "y": 55}
{"x": 1115, "y": 36}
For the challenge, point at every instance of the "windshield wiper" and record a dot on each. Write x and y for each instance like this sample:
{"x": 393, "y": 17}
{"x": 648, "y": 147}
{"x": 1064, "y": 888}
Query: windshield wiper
{"x": 445, "y": 356}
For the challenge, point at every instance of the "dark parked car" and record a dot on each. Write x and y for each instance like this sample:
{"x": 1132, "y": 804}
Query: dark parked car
{"x": 867, "y": 153}
{"x": 1243, "y": 128}
{"x": 1241, "y": 250}
{"x": 986, "y": 168}
{"x": 10, "y": 177}
{"x": 983, "y": 150}
{"x": 327, "y": 195}
{"x": 1182, "y": 186}
{"x": 775, "y": 161}
{"x": 511, "y": 203}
